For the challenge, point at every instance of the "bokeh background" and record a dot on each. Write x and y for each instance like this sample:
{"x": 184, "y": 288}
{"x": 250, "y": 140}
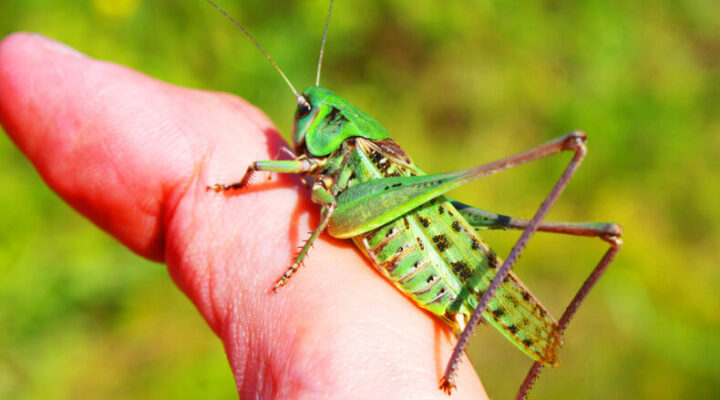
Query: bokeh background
{"x": 456, "y": 84}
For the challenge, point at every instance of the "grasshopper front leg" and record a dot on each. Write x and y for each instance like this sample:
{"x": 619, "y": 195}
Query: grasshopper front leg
{"x": 301, "y": 165}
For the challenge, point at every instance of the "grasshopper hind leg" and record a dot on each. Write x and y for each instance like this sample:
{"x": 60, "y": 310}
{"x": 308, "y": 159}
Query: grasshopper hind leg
{"x": 608, "y": 232}
{"x": 615, "y": 244}
{"x": 574, "y": 142}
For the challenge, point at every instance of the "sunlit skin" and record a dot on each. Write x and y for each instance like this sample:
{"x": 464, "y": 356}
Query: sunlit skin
{"x": 134, "y": 155}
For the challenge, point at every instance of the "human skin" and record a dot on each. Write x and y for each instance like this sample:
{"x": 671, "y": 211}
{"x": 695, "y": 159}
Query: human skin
{"x": 134, "y": 155}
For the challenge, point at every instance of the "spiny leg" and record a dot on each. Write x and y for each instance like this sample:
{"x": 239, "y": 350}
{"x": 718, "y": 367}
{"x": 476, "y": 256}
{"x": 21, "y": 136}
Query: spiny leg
{"x": 319, "y": 195}
{"x": 609, "y": 232}
{"x": 574, "y": 142}
{"x": 297, "y": 166}
{"x": 481, "y": 219}
{"x": 597, "y": 272}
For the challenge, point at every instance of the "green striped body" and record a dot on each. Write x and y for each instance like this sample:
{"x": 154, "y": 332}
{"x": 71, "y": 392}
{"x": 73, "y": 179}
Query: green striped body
{"x": 435, "y": 257}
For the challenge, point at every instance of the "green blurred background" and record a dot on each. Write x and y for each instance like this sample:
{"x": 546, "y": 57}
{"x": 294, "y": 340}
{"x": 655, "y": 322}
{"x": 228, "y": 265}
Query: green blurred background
{"x": 456, "y": 84}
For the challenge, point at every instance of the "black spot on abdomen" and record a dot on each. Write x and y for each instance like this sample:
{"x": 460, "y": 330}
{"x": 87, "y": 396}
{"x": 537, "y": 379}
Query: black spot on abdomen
{"x": 462, "y": 269}
{"x": 441, "y": 242}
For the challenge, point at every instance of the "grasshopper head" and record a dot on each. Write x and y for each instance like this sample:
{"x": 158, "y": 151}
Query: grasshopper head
{"x": 324, "y": 120}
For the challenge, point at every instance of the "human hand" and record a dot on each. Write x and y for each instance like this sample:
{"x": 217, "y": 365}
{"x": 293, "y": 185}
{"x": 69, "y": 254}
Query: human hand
{"x": 135, "y": 155}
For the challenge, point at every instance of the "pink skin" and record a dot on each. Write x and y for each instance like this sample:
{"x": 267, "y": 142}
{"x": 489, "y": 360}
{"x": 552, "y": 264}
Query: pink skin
{"x": 134, "y": 155}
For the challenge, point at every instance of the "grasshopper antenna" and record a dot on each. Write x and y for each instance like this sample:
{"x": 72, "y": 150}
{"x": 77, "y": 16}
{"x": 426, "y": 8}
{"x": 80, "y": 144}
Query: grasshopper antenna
{"x": 259, "y": 48}
{"x": 322, "y": 45}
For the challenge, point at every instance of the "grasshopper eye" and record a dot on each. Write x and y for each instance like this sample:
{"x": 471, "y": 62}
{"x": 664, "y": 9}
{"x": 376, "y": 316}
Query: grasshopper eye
{"x": 304, "y": 108}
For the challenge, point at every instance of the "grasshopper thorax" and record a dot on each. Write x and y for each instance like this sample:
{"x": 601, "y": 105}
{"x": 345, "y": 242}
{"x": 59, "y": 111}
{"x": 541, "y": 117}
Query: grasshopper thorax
{"x": 324, "y": 120}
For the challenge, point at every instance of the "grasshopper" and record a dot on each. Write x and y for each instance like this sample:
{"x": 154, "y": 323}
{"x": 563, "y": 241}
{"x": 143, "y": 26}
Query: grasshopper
{"x": 424, "y": 243}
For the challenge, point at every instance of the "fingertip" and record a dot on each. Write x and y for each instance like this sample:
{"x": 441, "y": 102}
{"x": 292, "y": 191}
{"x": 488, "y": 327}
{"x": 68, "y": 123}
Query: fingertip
{"x": 33, "y": 75}
{"x": 28, "y": 42}
{"x": 93, "y": 134}
{"x": 115, "y": 143}
{"x": 20, "y": 54}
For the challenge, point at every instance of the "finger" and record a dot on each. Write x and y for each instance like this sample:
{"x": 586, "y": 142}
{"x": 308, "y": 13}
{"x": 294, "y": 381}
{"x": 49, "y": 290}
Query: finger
{"x": 134, "y": 155}
{"x": 112, "y": 142}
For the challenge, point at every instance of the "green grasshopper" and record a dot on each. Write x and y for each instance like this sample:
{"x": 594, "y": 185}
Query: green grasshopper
{"x": 426, "y": 244}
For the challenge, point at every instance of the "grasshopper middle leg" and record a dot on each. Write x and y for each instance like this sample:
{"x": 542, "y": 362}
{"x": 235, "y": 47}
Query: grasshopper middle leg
{"x": 321, "y": 196}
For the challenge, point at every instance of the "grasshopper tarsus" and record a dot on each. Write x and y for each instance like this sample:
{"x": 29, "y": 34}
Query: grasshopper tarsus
{"x": 244, "y": 182}
{"x": 219, "y": 187}
{"x": 216, "y": 187}
{"x": 285, "y": 276}
{"x": 447, "y": 385}
{"x": 278, "y": 284}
